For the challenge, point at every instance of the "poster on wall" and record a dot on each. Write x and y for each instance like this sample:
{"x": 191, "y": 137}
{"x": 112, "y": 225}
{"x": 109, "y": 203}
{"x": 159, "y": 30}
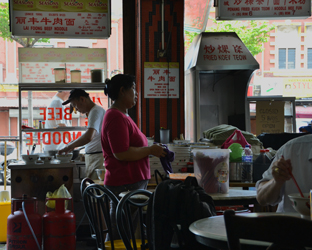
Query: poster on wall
{"x": 262, "y": 9}
{"x": 161, "y": 80}
{"x": 270, "y": 117}
{"x": 54, "y": 19}
{"x": 37, "y": 64}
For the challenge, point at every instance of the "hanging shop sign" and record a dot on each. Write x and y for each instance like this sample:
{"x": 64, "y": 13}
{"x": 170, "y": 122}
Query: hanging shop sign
{"x": 161, "y": 80}
{"x": 37, "y": 64}
{"x": 54, "y": 19}
{"x": 270, "y": 117}
{"x": 262, "y": 9}
{"x": 224, "y": 51}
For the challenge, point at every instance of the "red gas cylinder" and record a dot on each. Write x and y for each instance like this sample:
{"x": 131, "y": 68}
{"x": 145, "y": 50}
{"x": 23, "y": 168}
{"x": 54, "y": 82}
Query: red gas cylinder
{"x": 19, "y": 235}
{"x": 59, "y": 227}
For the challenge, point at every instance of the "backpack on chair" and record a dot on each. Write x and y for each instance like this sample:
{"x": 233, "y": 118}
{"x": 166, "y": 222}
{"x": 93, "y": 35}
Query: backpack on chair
{"x": 174, "y": 206}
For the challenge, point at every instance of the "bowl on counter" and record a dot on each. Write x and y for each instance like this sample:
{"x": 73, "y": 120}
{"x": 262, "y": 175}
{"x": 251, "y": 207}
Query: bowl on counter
{"x": 46, "y": 158}
{"x": 30, "y": 159}
{"x": 64, "y": 157}
{"x": 301, "y": 204}
{"x": 100, "y": 174}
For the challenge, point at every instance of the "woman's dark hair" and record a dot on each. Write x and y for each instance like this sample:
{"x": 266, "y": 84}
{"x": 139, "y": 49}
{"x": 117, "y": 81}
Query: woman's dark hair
{"x": 113, "y": 85}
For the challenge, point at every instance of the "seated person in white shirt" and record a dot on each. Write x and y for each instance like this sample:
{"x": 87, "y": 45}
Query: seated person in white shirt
{"x": 294, "y": 156}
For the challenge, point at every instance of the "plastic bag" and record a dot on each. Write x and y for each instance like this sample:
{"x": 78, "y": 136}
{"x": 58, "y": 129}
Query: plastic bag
{"x": 236, "y": 137}
{"x": 61, "y": 192}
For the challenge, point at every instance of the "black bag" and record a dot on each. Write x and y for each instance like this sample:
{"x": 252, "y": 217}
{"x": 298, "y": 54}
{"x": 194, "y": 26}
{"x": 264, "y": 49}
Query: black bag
{"x": 173, "y": 207}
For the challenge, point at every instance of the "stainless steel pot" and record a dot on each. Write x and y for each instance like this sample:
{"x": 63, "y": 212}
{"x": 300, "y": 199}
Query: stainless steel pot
{"x": 235, "y": 171}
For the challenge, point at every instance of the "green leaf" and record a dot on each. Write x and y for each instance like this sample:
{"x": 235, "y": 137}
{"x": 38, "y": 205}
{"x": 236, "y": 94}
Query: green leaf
{"x": 252, "y": 33}
{"x": 7, "y": 35}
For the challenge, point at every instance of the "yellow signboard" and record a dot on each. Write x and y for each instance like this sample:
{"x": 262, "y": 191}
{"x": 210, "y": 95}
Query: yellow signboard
{"x": 298, "y": 87}
{"x": 8, "y": 88}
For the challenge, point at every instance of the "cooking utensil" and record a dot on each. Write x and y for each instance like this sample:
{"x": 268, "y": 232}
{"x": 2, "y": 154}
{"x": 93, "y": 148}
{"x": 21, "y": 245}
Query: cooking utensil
{"x": 33, "y": 149}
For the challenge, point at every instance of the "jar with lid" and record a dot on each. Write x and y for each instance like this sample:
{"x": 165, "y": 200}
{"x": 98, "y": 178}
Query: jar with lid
{"x": 75, "y": 76}
{"x": 60, "y": 75}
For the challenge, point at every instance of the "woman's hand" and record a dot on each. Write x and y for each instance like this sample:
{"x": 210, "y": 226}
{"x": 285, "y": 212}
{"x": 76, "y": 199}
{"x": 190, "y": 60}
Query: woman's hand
{"x": 281, "y": 170}
{"x": 158, "y": 150}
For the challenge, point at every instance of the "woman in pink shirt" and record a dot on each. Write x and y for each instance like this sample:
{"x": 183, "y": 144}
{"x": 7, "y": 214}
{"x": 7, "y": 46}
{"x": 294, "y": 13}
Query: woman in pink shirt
{"x": 124, "y": 146}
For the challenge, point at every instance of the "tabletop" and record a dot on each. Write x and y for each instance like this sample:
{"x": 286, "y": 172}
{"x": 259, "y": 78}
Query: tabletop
{"x": 211, "y": 231}
{"x": 235, "y": 197}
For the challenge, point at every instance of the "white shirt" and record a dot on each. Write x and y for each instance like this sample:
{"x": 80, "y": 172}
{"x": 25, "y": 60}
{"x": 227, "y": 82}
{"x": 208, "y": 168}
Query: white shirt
{"x": 95, "y": 120}
{"x": 299, "y": 151}
{"x": 56, "y": 102}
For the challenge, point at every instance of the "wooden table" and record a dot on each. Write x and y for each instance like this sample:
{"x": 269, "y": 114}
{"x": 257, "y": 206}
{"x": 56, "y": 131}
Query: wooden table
{"x": 245, "y": 186}
{"x": 235, "y": 197}
{"x": 211, "y": 232}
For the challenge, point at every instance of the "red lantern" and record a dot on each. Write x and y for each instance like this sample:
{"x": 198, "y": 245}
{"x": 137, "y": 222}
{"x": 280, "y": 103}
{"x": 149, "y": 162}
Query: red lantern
{"x": 59, "y": 227}
{"x": 19, "y": 235}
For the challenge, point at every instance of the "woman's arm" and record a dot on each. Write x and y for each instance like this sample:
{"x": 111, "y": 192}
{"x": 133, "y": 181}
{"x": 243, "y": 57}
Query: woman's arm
{"x": 138, "y": 153}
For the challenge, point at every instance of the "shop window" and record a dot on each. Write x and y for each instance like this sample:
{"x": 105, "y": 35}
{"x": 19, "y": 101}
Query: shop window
{"x": 309, "y": 58}
{"x": 287, "y": 58}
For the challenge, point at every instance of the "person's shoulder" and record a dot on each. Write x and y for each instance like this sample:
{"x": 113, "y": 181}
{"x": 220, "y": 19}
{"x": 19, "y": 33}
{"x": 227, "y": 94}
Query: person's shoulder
{"x": 302, "y": 139}
{"x": 98, "y": 109}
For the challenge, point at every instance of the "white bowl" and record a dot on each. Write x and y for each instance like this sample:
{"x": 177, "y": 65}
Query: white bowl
{"x": 64, "y": 157}
{"x": 300, "y": 204}
{"x": 30, "y": 158}
{"x": 46, "y": 158}
{"x": 100, "y": 173}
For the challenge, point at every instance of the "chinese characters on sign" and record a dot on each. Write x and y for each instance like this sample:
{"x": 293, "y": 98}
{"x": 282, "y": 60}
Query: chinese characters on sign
{"x": 161, "y": 80}
{"x": 74, "y": 18}
{"x": 224, "y": 53}
{"x": 37, "y": 64}
{"x": 262, "y": 9}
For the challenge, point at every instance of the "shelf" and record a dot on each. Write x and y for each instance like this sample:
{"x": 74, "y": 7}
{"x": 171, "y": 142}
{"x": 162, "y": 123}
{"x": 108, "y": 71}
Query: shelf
{"x": 52, "y": 87}
{"x": 60, "y": 86}
{"x": 60, "y": 129}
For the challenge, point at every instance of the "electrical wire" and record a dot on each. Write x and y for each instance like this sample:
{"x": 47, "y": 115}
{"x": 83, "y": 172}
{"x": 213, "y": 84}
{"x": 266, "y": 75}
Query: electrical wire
{"x": 32, "y": 231}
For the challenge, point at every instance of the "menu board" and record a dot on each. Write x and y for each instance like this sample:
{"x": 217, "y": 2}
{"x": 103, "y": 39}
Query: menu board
{"x": 54, "y": 18}
{"x": 161, "y": 80}
{"x": 37, "y": 64}
{"x": 262, "y": 9}
{"x": 270, "y": 117}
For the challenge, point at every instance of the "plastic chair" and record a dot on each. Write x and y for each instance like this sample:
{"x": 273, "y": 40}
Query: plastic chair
{"x": 134, "y": 200}
{"x": 284, "y": 232}
{"x": 96, "y": 201}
